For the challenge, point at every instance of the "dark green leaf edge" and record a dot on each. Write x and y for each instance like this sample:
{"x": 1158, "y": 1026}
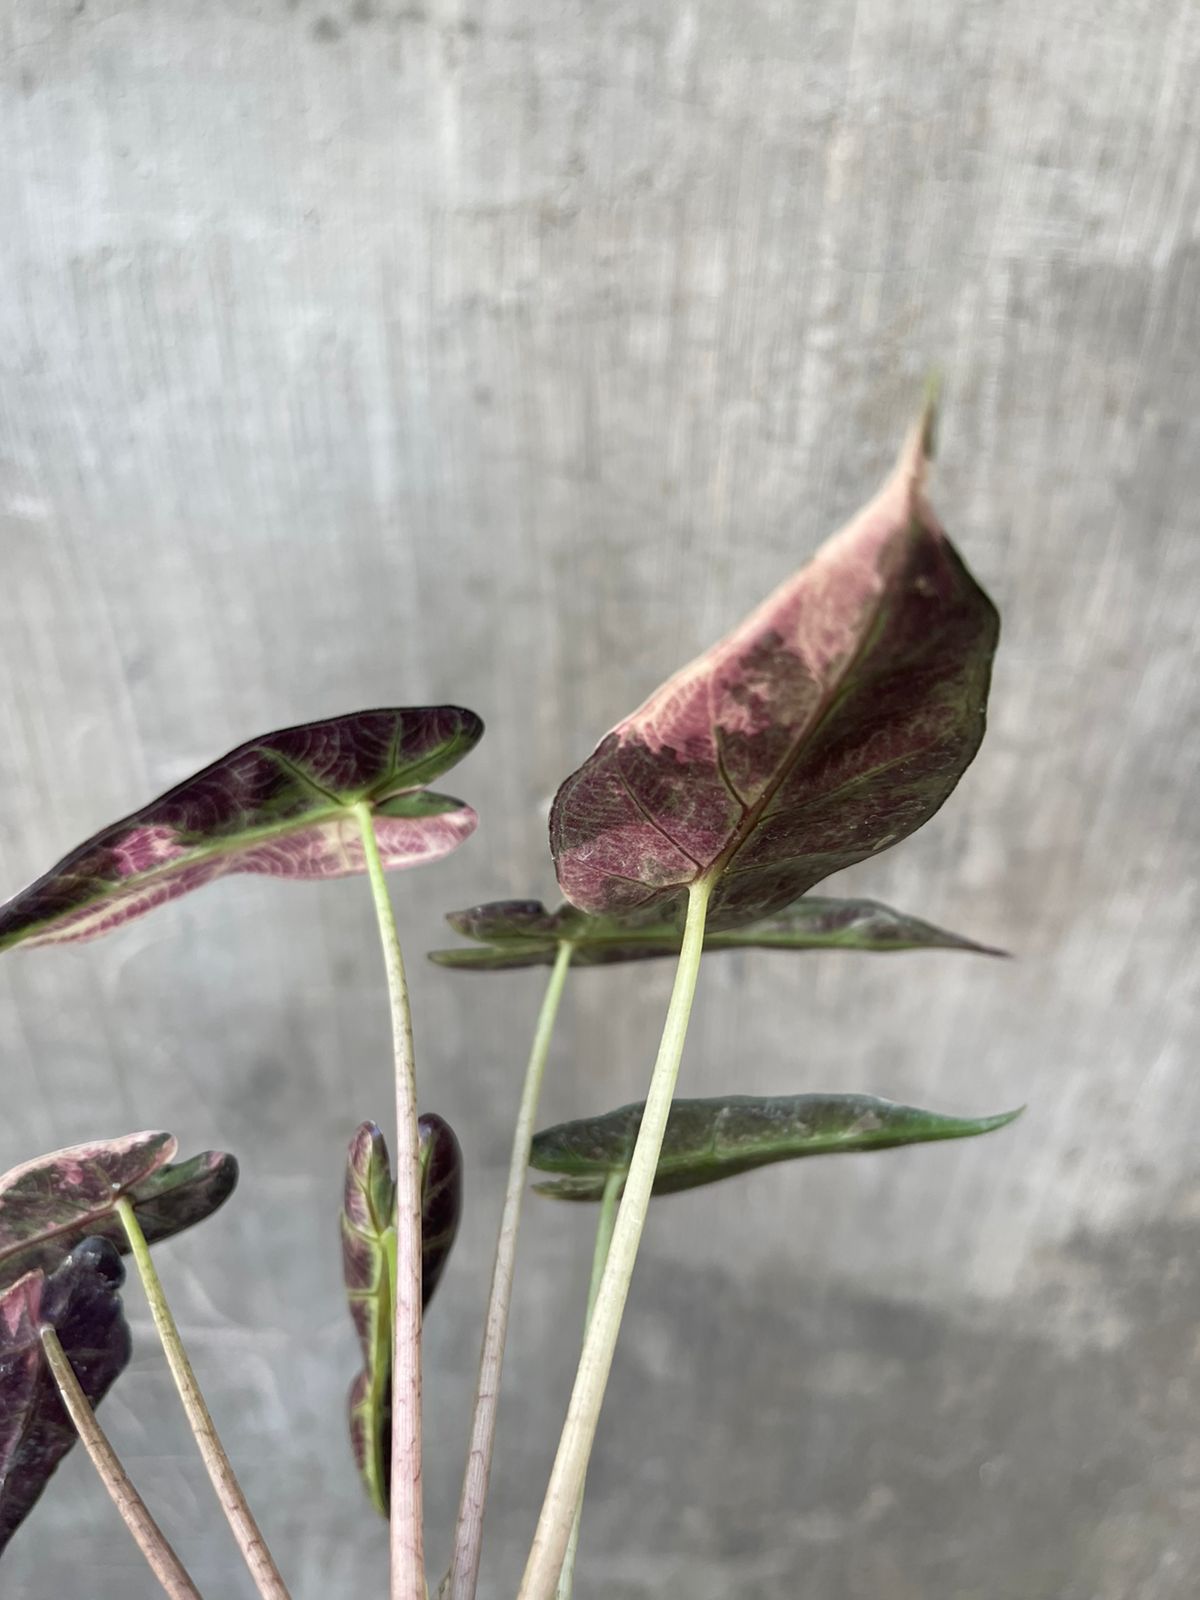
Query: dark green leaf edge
{"x": 711, "y": 1139}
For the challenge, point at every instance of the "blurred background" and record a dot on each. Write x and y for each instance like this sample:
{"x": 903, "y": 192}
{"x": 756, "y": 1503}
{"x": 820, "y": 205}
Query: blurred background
{"x": 367, "y": 352}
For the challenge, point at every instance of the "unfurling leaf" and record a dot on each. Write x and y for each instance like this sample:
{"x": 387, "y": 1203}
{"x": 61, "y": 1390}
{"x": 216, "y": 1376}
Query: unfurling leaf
{"x": 48, "y": 1205}
{"x": 81, "y": 1301}
{"x": 832, "y": 723}
{"x": 711, "y": 1139}
{"x": 522, "y": 933}
{"x": 278, "y": 805}
{"x": 369, "y": 1271}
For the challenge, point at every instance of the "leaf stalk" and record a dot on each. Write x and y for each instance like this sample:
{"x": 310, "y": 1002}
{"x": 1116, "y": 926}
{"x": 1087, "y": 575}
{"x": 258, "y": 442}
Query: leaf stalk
{"x": 463, "y": 1576}
{"x": 553, "y": 1533}
{"x": 609, "y": 1202}
{"x": 149, "y": 1537}
{"x": 250, "y": 1541}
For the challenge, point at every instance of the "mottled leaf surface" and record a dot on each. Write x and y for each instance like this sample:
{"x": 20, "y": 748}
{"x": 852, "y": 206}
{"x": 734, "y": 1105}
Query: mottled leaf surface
{"x": 81, "y": 1301}
{"x": 522, "y": 933}
{"x": 48, "y": 1205}
{"x": 277, "y": 805}
{"x": 369, "y": 1270}
{"x": 832, "y": 723}
{"x": 711, "y": 1139}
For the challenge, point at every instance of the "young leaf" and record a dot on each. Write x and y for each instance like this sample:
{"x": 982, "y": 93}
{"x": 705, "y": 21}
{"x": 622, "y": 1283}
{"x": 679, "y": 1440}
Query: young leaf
{"x": 279, "y": 805}
{"x": 441, "y": 1198}
{"x": 522, "y": 933}
{"x": 832, "y": 723}
{"x": 81, "y": 1301}
{"x": 711, "y": 1139}
{"x": 49, "y": 1204}
{"x": 369, "y": 1272}
{"x": 368, "y": 1254}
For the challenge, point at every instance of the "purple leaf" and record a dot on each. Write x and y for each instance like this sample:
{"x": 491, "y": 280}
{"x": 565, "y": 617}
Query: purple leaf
{"x": 832, "y": 723}
{"x": 48, "y": 1205}
{"x": 522, "y": 933}
{"x": 278, "y": 805}
{"x": 80, "y": 1300}
{"x": 441, "y": 1198}
{"x": 368, "y": 1226}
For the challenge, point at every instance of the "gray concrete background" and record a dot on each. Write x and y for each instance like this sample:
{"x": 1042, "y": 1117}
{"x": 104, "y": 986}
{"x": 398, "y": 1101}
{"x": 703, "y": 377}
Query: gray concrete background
{"x": 506, "y": 353}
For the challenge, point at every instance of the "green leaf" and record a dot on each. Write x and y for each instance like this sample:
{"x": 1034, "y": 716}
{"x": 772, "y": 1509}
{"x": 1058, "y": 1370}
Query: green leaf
{"x": 522, "y": 933}
{"x": 50, "y": 1204}
{"x": 707, "y": 1140}
{"x": 81, "y": 1301}
{"x": 369, "y": 1270}
{"x": 280, "y": 805}
{"x": 832, "y": 723}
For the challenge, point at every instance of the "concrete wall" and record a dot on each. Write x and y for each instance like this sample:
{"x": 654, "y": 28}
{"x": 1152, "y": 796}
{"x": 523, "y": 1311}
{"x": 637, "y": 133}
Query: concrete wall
{"x": 506, "y": 352}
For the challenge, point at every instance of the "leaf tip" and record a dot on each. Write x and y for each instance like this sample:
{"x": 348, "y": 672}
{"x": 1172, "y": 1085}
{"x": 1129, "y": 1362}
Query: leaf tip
{"x": 927, "y": 424}
{"x": 1001, "y": 1119}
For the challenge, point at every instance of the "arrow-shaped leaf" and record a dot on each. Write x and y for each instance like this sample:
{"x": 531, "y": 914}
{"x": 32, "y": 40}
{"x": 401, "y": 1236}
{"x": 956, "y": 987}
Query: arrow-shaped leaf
{"x": 278, "y": 805}
{"x": 522, "y": 933}
{"x": 48, "y": 1205}
{"x": 832, "y": 723}
{"x": 369, "y": 1270}
{"x": 711, "y": 1139}
{"x": 81, "y": 1301}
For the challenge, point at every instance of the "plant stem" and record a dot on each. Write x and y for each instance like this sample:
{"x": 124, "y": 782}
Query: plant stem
{"x": 463, "y": 1577}
{"x": 579, "y": 1431}
{"x": 407, "y": 1535}
{"x": 164, "y": 1563}
{"x": 221, "y": 1474}
{"x": 613, "y": 1185}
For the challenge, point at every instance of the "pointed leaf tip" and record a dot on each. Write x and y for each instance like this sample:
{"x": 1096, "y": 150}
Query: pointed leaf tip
{"x": 927, "y": 423}
{"x": 279, "y": 804}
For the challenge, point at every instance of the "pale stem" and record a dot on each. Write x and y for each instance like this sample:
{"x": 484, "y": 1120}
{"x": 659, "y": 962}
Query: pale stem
{"x": 164, "y": 1563}
{"x": 579, "y": 1431}
{"x": 463, "y": 1577}
{"x": 407, "y": 1536}
{"x": 613, "y": 1185}
{"x": 250, "y": 1541}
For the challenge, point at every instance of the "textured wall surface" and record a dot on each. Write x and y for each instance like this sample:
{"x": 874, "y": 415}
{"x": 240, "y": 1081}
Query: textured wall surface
{"x": 505, "y": 351}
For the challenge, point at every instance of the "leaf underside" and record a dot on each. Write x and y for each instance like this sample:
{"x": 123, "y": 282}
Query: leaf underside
{"x": 277, "y": 805}
{"x": 522, "y": 933}
{"x": 50, "y": 1204}
{"x": 368, "y": 1225}
{"x": 81, "y": 1301}
{"x": 707, "y": 1140}
{"x": 830, "y": 724}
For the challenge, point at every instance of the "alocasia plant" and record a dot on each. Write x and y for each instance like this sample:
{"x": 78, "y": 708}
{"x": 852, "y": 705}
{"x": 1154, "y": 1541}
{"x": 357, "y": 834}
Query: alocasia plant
{"x": 825, "y": 728}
